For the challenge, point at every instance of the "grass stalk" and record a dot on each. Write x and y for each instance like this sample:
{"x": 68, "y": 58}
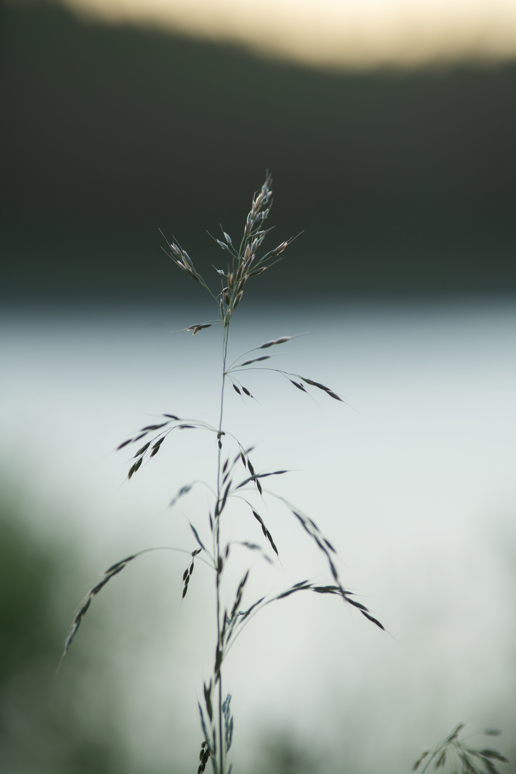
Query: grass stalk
{"x": 237, "y": 480}
{"x": 236, "y": 475}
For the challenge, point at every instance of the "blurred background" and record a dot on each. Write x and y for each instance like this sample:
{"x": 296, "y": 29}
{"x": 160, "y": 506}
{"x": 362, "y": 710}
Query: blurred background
{"x": 389, "y": 128}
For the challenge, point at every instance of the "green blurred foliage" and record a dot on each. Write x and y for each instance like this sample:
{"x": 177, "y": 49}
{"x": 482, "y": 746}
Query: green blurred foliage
{"x": 49, "y": 723}
{"x": 283, "y": 755}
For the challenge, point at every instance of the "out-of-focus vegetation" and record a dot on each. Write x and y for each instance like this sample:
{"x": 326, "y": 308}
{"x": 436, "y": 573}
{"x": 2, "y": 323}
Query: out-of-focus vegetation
{"x": 50, "y": 723}
{"x": 283, "y": 755}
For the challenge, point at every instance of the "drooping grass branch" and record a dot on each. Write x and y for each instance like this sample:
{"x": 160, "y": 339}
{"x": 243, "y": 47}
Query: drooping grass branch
{"x": 454, "y": 754}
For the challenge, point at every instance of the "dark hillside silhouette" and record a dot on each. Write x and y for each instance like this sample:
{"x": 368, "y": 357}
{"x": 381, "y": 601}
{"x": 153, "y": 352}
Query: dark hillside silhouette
{"x": 402, "y": 182}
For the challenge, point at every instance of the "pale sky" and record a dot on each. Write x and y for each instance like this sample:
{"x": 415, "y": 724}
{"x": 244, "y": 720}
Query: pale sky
{"x": 338, "y": 34}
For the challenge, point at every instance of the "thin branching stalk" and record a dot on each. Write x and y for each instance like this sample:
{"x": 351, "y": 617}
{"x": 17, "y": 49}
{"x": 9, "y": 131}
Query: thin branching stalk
{"x": 236, "y": 480}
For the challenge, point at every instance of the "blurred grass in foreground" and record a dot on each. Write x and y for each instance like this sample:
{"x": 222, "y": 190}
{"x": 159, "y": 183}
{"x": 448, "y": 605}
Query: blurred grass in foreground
{"x": 48, "y": 723}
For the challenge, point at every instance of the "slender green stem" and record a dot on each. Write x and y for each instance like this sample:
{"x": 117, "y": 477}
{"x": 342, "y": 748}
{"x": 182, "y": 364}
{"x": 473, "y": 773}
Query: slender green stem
{"x": 221, "y": 416}
{"x": 217, "y": 541}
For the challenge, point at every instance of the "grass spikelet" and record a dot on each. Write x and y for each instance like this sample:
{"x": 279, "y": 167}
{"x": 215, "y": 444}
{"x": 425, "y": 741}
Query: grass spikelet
{"x": 157, "y": 446}
{"x": 189, "y": 570}
{"x": 255, "y": 360}
{"x": 266, "y": 532}
{"x": 196, "y": 328}
{"x": 134, "y": 468}
{"x": 204, "y": 757}
{"x": 143, "y": 449}
{"x": 321, "y": 387}
{"x": 274, "y": 343}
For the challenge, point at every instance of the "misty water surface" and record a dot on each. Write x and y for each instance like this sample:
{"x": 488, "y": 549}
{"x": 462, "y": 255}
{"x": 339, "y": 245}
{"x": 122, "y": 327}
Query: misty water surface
{"x": 412, "y": 479}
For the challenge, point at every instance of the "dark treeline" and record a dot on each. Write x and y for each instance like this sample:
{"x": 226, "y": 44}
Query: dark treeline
{"x": 402, "y": 182}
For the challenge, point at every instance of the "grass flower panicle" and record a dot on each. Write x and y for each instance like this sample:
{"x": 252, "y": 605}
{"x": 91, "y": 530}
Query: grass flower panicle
{"x": 236, "y": 478}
